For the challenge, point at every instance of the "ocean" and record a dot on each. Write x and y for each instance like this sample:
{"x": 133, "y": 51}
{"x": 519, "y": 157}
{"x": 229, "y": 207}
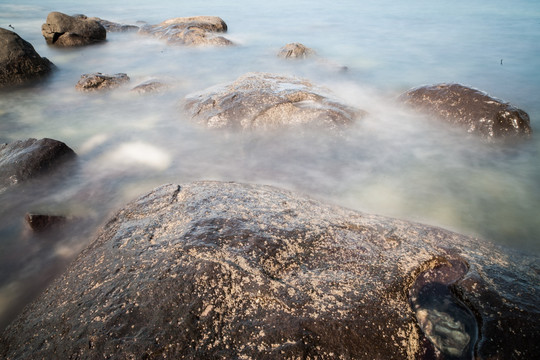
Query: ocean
{"x": 391, "y": 163}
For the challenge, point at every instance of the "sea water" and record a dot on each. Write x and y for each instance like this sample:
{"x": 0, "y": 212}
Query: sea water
{"x": 392, "y": 162}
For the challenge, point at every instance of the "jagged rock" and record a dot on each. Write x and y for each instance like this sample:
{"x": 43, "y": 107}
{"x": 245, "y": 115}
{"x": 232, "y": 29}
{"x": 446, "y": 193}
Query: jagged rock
{"x": 223, "y": 270}
{"x": 64, "y": 30}
{"x": 99, "y": 81}
{"x": 295, "y": 51}
{"x": 471, "y": 109}
{"x": 19, "y": 61}
{"x": 192, "y": 31}
{"x": 259, "y": 100}
{"x": 27, "y": 159}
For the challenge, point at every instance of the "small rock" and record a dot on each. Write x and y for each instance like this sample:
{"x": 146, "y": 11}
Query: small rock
{"x": 99, "y": 81}
{"x": 19, "y": 61}
{"x": 41, "y": 222}
{"x": 471, "y": 109}
{"x": 295, "y": 51}
{"x": 64, "y": 30}
{"x": 150, "y": 86}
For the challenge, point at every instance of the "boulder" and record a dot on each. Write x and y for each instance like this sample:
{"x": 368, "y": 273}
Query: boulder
{"x": 64, "y": 30}
{"x": 260, "y": 100}
{"x": 19, "y": 61}
{"x": 191, "y": 31}
{"x": 27, "y": 159}
{"x": 214, "y": 270}
{"x": 99, "y": 81}
{"x": 471, "y": 109}
{"x": 295, "y": 51}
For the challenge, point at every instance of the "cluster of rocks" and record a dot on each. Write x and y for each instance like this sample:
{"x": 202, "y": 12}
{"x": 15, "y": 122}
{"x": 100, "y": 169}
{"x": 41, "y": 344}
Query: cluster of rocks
{"x": 226, "y": 270}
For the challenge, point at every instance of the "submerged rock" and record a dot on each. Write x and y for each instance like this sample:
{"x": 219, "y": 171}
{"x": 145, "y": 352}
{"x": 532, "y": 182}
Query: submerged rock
{"x": 64, "y": 30}
{"x": 27, "y": 159}
{"x": 111, "y": 26}
{"x": 192, "y": 31}
{"x": 224, "y": 270}
{"x": 19, "y": 61}
{"x": 44, "y": 222}
{"x": 295, "y": 51}
{"x": 471, "y": 109}
{"x": 259, "y": 100}
{"x": 150, "y": 87}
{"x": 99, "y": 81}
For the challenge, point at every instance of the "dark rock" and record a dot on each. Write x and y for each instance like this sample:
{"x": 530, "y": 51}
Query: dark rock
{"x": 41, "y": 222}
{"x": 191, "y": 31}
{"x": 99, "y": 81}
{"x": 471, "y": 109}
{"x": 27, "y": 159}
{"x": 295, "y": 51}
{"x": 259, "y": 100}
{"x": 19, "y": 61}
{"x": 64, "y": 30}
{"x": 222, "y": 270}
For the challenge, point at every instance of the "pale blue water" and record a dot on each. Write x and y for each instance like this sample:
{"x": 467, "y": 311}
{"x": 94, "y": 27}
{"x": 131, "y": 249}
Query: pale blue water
{"x": 390, "y": 163}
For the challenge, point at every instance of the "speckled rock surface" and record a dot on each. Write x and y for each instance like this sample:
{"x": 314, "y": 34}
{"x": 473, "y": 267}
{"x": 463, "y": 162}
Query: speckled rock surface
{"x": 214, "y": 270}
{"x": 191, "y": 31}
{"x": 471, "y": 109}
{"x": 19, "y": 61}
{"x": 63, "y": 30}
{"x": 99, "y": 82}
{"x": 261, "y": 100}
{"x": 27, "y": 159}
{"x": 295, "y": 51}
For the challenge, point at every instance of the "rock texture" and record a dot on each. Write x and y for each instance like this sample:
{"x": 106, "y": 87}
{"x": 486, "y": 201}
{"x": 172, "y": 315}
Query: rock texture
{"x": 295, "y": 51}
{"x": 99, "y": 81}
{"x": 472, "y": 109}
{"x": 191, "y": 31}
{"x": 64, "y": 30}
{"x": 19, "y": 61}
{"x": 44, "y": 222}
{"x": 27, "y": 159}
{"x": 150, "y": 87}
{"x": 223, "y": 270}
{"x": 259, "y": 100}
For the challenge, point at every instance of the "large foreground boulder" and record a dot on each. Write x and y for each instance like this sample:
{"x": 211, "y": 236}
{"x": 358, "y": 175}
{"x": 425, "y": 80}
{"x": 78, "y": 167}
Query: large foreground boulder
{"x": 260, "y": 100}
{"x": 214, "y": 270}
{"x": 64, "y": 30}
{"x": 191, "y": 31}
{"x": 472, "y": 109}
{"x": 27, "y": 159}
{"x": 19, "y": 61}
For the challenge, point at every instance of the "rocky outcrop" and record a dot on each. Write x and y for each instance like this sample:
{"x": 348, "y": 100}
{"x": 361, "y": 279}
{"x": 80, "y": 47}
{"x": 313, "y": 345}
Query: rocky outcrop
{"x": 191, "y": 31}
{"x": 19, "y": 61}
{"x": 27, "y": 159}
{"x": 259, "y": 100}
{"x": 99, "y": 81}
{"x": 64, "y": 30}
{"x": 471, "y": 109}
{"x": 223, "y": 270}
{"x": 295, "y": 51}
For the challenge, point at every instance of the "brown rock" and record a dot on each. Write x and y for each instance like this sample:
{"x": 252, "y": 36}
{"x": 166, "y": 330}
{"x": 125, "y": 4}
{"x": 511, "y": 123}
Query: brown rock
{"x": 295, "y": 51}
{"x": 42, "y": 222}
{"x": 99, "y": 81}
{"x": 64, "y": 30}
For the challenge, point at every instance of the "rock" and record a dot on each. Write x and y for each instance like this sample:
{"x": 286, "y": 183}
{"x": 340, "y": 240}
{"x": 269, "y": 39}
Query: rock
{"x": 191, "y": 31}
{"x": 259, "y": 100}
{"x": 19, "y": 61}
{"x": 471, "y": 109}
{"x": 99, "y": 81}
{"x": 150, "y": 86}
{"x": 64, "y": 30}
{"x": 223, "y": 270}
{"x": 295, "y": 51}
{"x": 42, "y": 222}
{"x": 27, "y": 159}
{"x": 112, "y": 26}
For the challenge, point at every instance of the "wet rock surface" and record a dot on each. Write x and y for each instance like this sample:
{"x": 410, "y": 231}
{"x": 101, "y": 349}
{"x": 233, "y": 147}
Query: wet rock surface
{"x": 27, "y": 159}
{"x": 19, "y": 61}
{"x": 226, "y": 270}
{"x": 295, "y": 51}
{"x": 471, "y": 109}
{"x": 99, "y": 82}
{"x": 63, "y": 30}
{"x": 260, "y": 100}
{"x": 44, "y": 222}
{"x": 191, "y": 31}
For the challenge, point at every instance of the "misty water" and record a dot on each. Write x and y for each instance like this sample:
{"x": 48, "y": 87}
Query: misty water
{"x": 393, "y": 162}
